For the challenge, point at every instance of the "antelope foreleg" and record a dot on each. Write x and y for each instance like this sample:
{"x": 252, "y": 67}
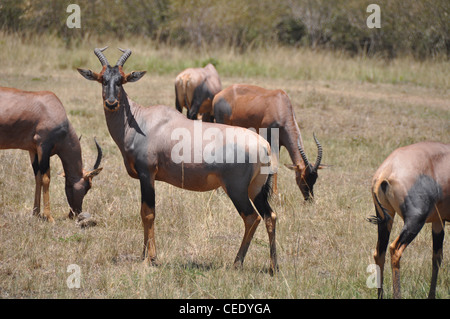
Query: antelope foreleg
{"x": 41, "y": 167}
{"x": 148, "y": 218}
{"x": 38, "y": 179}
{"x": 46, "y": 189}
{"x": 37, "y": 194}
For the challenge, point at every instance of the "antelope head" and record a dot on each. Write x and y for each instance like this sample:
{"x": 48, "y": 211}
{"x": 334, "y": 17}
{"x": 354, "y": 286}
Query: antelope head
{"x": 112, "y": 78}
{"x": 76, "y": 190}
{"x": 306, "y": 178}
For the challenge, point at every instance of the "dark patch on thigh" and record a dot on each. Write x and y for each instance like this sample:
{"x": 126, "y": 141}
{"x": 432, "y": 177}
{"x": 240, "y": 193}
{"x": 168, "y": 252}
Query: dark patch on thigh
{"x": 418, "y": 204}
{"x": 54, "y": 137}
{"x": 222, "y": 110}
{"x": 202, "y": 93}
{"x": 58, "y": 133}
{"x": 44, "y": 164}
{"x": 421, "y": 197}
{"x": 241, "y": 201}
{"x": 35, "y": 165}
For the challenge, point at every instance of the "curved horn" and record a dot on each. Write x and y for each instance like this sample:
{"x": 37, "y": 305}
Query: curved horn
{"x": 319, "y": 153}
{"x": 126, "y": 54}
{"x": 101, "y": 56}
{"x": 302, "y": 153}
{"x": 99, "y": 155}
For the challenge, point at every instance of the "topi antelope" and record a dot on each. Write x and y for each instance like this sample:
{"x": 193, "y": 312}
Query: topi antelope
{"x": 195, "y": 89}
{"x": 251, "y": 106}
{"x": 37, "y": 122}
{"x": 144, "y": 136}
{"x": 414, "y": 182}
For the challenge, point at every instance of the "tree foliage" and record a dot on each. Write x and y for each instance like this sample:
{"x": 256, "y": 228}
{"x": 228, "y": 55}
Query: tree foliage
{"x": 417, "y": 27}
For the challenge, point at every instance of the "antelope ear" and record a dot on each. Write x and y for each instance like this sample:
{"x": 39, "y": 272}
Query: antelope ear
{"x": 292, "y": 167}
{"x": 93, "y": 173}
{"x": 90, "y": 75}
{"x": 321, "y": 166}
{"x": 134, "y": 76}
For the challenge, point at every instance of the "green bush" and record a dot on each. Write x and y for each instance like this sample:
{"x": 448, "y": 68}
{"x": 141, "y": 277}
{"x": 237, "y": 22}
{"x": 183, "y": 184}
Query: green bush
{"x": 420, "y": 28}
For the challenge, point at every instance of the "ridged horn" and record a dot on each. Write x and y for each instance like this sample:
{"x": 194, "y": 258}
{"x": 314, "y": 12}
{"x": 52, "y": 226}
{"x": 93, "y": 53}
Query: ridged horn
{"x": 101, "y": 56}
{"x": 99, "y": 155}
{"x": 319, "y": 153}
{"x": 302, "y": 153}
{"x": 126, "y": 54}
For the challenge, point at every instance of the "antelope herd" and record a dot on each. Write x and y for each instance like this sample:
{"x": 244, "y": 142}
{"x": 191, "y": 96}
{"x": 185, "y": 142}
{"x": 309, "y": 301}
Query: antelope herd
{"x": 159, "y": 143}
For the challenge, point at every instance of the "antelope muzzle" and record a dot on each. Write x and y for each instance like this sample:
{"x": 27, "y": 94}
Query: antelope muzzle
{"x": 111, "y": 106}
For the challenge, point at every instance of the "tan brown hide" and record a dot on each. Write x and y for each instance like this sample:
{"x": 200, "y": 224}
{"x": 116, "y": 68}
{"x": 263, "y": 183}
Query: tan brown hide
{"x": 37, "y": 122}
{"x": 413, "y": 182}
{"x": 159, "y": 143}
{"x": 195, "y": 89}
{"x": 255, "y": 107}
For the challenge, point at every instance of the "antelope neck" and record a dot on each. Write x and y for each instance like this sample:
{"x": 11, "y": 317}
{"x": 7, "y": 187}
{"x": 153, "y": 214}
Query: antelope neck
{"x": 70, "y": 154}
{"x": 123, "y": 121}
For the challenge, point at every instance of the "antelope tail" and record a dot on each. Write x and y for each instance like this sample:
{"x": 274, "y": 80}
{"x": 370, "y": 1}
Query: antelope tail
{"x": 267, "y": 189}
{"x": 186, "y": 92}
{"x": 378, "y": 219}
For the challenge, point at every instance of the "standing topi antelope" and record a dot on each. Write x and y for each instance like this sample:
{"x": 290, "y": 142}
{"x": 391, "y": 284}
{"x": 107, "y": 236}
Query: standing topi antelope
{"x": 251, "y": 106}
{"x": 414, "y": 182}
{"x": 37, "y": 122}
{"x": 195, "y": 89}
{"x": 144, "y": 136}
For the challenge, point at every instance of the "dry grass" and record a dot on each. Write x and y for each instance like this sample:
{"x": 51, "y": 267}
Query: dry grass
{"x": 323, "y": 248}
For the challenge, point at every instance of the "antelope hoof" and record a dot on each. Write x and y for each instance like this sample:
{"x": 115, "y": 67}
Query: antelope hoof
{"x": 36, "y": 212}
{"x": 238, "y": 263}
{"x": 274, "y": 270}
{"x": 46, "y": 218}
{"x": 151, "y": 261}
{"x": 50, "y": 219}
{"x": 154, "y": 262}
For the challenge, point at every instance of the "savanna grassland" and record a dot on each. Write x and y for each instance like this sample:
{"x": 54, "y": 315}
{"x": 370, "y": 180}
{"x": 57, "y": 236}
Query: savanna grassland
{"x": 361, "y": 109}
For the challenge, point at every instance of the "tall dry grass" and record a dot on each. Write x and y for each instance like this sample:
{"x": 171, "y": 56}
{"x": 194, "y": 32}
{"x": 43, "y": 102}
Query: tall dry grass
{"x": 324, "y": 248}
{"x": 20, "y": 53}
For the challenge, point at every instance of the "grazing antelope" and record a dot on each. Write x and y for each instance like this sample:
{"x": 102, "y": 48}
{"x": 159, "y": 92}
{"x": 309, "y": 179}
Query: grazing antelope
{"x": 251, "y": 106}
{"x": 195, "y": 89}
{"x": 37, "y": 122}
{"x": 414, "y": 182}
{"x": 145, "y": 137}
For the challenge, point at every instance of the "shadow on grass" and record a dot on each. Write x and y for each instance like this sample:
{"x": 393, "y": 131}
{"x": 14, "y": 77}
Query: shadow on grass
{"x": 193, "y": 267}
